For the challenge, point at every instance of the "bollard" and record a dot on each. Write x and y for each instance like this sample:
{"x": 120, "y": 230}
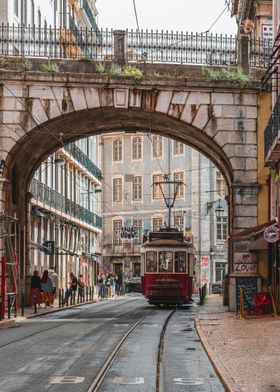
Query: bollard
{"x": 87, "y": 294}
{"x": 0, "y": 307}
{"x": 62, "y": 293}
{"x": 15, "y": 306}
{"x": 90, "y": 292}
{"x": 242, "y": 312}
{"x": 59, "y": 298}
{"x": 35, "y": 303}
{"x": 274, "y": 308}
{"x": 22, "y": 303}
{"x": 74, "y": 297}
{"x": 9, "y": 307}
{"x": 71, "y": 298}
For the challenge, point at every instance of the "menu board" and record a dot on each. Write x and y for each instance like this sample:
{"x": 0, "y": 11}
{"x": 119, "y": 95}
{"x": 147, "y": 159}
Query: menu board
{"x": 249, "y": 286}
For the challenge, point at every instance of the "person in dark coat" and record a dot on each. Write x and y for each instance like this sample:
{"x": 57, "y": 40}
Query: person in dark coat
{"x": 36, "y": 289}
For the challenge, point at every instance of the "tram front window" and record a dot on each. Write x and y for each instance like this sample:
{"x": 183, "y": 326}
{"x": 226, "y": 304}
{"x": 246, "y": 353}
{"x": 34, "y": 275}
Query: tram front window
{"x": 151, "y": 262}
{"x": 180, "y": 262}
{"x": 165, "y": 262}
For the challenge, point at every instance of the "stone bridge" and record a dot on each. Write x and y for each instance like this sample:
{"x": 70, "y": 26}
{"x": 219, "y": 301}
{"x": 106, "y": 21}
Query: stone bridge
{"x": 40, "y": 112}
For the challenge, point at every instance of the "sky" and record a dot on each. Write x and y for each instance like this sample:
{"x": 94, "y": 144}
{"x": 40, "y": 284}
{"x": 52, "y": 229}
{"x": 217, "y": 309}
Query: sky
{"x": 177, "y": 15}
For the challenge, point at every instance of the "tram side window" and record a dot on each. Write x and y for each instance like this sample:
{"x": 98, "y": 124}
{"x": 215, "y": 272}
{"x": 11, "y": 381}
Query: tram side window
{"x": 165, "y": 262}
{"x": 151, "y": 262}
{"x": 180, "y": 262}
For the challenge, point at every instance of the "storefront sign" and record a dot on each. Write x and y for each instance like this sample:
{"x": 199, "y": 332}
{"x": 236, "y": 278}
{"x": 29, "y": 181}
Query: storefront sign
{"x": 245, "y": 263}
{"x": 271, "y": 234}
{"x": 267, "y": 31}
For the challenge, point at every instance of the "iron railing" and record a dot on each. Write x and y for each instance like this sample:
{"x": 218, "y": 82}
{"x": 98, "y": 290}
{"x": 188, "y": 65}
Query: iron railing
{"x": 53, "y": 199}
{"x": 59, "y": 43}
{"x": 272, "y": 128}
{"x": 153, "y": 46}
{"x": 122, "y": 248}
{"x": 82, "y": 158}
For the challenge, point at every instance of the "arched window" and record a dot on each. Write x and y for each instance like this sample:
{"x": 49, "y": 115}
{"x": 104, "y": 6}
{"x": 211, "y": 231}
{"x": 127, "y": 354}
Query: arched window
{"x": 117, "y": 150}
{"x": 137, "y": 148}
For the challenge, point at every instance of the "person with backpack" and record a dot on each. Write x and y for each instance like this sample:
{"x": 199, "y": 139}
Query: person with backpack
{"x": 81, "y": 288}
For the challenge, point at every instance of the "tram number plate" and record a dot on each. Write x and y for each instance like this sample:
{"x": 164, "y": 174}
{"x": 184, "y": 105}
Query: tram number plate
{"x": 68, "y": 380}
{"x": 188, "y": 381}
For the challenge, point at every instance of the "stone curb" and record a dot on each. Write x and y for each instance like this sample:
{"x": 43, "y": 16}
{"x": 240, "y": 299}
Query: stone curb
{"x": 221, "y": 371}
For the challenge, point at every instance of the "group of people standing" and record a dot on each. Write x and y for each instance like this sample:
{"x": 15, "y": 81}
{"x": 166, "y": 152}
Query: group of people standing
{"x": 107, "y": 281}
{"x": 43, "y": 289}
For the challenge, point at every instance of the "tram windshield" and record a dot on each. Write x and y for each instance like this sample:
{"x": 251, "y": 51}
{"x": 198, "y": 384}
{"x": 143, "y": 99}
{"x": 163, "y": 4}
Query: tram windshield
{"x": 180, "y": 262}
{"x": 151, "y": 262}
{"x": 165, "y": 261}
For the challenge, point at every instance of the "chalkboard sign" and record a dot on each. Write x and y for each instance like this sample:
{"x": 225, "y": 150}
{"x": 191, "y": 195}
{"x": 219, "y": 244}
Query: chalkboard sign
{"x": 249, "y": 286}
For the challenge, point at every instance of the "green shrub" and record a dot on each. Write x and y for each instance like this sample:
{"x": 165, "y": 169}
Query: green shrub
{"x": 27, "y": 65}
{"x": 100, "y": 68}
{"x": 235, "y": 76}
{"x": 115, "y": 70}
{"x": 50, "y": 66}
{"x": 135, "y": 73}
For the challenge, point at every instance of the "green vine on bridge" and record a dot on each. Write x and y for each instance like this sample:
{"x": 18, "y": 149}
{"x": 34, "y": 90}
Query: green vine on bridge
{"x": 235, "y": 76}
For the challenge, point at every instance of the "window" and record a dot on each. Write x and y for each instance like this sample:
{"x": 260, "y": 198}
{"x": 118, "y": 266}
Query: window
{"x": 117, "y": 190}
{"x": 156, "y": 187}
{"x": 179, "y": 222}
{"x": 117, "y": 226}
{"x": 16, "y": 7}
{"x": 157, "y": 146}
{"x": 178, "y": 148}
{"x": 136, "y": 148}
{"x": 151, "y": 262}
{"x": 221, "y": 229}
{"x": 165, "y": 262}
{"x": 157, "y": 224}
{"x": 220, "y": 184}
{"x": 137, "y": 225}
{"x": 117, "y": 150}
{"x": 180, "y": 191}
{"x": 137, "y": 188}
{"x": 180, "y": 262}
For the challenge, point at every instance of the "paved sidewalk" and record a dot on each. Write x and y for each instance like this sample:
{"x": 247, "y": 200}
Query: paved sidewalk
{"x": 29, "y": 312}
{"x": 245, "y": 352}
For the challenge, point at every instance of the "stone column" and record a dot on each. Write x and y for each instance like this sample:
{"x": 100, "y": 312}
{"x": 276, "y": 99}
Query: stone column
{"x": 119, "y": 47}
{"x": 244, "y": 52}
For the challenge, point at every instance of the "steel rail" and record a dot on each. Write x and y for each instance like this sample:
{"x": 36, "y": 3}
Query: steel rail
{"x": 159, "y": 379}
{"x": 105, "y": 368}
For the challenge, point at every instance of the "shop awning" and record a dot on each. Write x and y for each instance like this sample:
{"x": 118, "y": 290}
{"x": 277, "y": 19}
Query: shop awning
{"x": 249, "y": 234}
{"x": 258, "y": 244}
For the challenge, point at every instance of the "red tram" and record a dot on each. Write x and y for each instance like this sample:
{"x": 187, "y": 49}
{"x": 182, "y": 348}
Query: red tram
{"x": 167, "y": 268}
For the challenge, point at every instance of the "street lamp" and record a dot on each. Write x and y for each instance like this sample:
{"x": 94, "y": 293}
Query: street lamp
{"x": 219, "y": 211}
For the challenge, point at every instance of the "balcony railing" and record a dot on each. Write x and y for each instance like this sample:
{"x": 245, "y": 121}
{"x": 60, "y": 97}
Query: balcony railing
{"x": 272, "y": 129}
{"x": 83, "y": 159}
{"x": 55, "y": 200}
{"x": 154, "y": 46}
{"x": 122, "y": 248}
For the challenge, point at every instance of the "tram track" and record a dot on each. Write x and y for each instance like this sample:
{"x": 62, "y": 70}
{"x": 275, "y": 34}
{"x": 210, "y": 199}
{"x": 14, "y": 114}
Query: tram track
{"x": 94, "y": 387}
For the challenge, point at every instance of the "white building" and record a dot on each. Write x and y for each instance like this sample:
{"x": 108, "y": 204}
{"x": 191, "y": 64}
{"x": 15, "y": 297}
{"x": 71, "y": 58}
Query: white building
{"x": 132, "y": 163}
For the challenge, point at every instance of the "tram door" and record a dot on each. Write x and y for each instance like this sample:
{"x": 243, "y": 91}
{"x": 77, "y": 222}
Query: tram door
{"x": 118, "y": 270}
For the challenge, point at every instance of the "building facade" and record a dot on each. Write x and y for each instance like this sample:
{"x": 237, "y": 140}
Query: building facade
{"x": 65, "y": 215}
{"x": 133, "y": 166}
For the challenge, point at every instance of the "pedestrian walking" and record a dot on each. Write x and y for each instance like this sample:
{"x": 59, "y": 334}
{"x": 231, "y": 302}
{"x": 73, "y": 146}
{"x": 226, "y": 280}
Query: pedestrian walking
{"x": 54, "y": 277}
{"x": 81, "y": 288}
{"x": 101, "y": 285}
{"x": 36, "y": 289}
{"x": 113, "y": 282}
{"x": 47, "y": 288}
{"x": 72, "y": 289}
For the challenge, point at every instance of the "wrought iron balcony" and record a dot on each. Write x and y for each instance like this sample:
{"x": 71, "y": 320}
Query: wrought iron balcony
{"x": 271, "y": 133}
{"x": 81, "y": 157}
{"x": 53, "y": 199}
{"x": 130, "y": 248}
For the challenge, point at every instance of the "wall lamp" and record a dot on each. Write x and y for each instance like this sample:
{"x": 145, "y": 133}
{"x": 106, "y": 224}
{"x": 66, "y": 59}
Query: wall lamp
{"x": 219, "y": 211}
